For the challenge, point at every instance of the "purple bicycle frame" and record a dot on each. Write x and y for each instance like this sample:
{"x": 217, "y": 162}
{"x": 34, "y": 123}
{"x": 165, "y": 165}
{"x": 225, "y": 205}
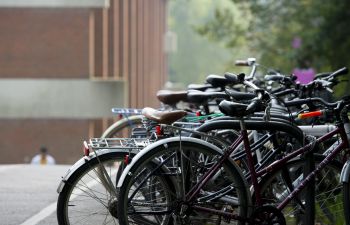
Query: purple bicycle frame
{"x": 190, "y": 196}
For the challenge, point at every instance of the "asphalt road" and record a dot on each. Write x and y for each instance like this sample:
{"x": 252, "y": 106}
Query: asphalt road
{"x": 28, "y": 194}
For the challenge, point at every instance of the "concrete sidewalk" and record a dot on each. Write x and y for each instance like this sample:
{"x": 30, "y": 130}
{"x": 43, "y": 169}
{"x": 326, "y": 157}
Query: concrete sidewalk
{"x": 26, "y": 190}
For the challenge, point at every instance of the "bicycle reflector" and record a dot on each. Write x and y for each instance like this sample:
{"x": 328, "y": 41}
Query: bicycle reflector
{"x": 127, "y": 159}
{"x": 310, "y": 114}
{"x": 159, "y": 130}
{"x": 86, "y": 149}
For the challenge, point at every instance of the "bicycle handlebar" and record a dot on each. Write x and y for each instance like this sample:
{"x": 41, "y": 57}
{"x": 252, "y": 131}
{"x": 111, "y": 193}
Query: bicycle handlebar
{"x": 285, "y": 92}
{"x": 242, "y": 63}
{"x": 339, "y": 72}
{"x": 275, "y": 77}
{"x": 322, "y": 75}
{"x": 247, "y": 62}
{"x": 310, "y": 100}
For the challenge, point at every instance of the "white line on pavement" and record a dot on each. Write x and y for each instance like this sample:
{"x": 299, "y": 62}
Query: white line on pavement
{"x": 46, "y": 212}
{"x": 41, "y": 215}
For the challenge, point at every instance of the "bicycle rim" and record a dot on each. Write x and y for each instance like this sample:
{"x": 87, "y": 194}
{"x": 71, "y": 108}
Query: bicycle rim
{"x": 226, "y": 192}
{"x": 88, "y": 197}
{"x": 328, "y": 193}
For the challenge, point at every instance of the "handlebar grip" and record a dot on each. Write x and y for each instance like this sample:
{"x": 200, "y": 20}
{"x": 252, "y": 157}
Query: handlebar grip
{"x": 242, "y": 63}
{"x": 341, "y": 71}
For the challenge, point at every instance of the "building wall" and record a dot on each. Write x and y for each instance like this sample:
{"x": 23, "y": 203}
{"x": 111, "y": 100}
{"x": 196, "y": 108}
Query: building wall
{"x": 62, "y": 69}
{"x": 22, "y": 138}
{"x": 129, "y": 45}
{"x": 59, "y": 98}
{"x": 44, "y": 43}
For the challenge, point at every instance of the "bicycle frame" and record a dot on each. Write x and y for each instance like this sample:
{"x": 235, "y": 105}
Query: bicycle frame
{"x": 344, "y": 144}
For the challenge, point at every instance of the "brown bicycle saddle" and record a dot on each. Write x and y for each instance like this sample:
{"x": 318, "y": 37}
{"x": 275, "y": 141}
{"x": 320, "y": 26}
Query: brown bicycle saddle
{"x": 171, "y": 97}
{"x": 165, "y": 117}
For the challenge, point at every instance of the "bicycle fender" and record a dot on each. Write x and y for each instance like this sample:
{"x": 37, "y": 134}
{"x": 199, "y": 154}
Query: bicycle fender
{"x": 219, "y": 123}
{"x": 83, "y": 161}
{"x": 345, "y": 173}
{"x": 157, "y": 144}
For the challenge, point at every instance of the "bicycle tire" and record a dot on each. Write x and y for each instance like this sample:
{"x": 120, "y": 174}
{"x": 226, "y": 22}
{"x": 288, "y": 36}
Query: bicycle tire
{"x": 326, "y": 183}
{"x": 346, "y": 201}
{"x": 123, "y": 127}
{"x": 346, "y": 192}
{"x": 168, "y": 153}
{"x": 83, "y": 193}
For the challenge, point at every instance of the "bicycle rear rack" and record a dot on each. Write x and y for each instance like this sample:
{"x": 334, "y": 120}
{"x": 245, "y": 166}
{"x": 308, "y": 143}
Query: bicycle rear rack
{"x": 127, "y": 111}
{"x": 130, "y": 144}
{"x": 118, "y": 143}
{"x": 138, "y": 144}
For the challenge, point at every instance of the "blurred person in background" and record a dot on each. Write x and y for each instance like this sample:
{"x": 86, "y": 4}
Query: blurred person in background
{"x": 43, "y": 158}
{"x": 304, "y": 72}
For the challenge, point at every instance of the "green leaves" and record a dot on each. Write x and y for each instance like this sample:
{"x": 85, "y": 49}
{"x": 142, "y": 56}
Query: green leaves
{"x": 272, "y": 25}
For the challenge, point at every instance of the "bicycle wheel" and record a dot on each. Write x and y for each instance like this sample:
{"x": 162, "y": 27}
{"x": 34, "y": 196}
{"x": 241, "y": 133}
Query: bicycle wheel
{"x": 346, "y": 194}
{"x": 89, "y": 195}
{"x": 177, "y": 167}
{"x": 328, "y": 192}
{"x": 123, "y": 127}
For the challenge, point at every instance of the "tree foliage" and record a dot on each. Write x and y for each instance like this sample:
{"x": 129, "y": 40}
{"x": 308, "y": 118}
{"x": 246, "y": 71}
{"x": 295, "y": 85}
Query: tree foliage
{"x": 322, "y": 27}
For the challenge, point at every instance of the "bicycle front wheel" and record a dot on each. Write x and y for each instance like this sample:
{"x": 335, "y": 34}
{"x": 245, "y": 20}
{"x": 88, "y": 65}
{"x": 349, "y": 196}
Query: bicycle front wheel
{"x": 346, "y": 192}
{"x": 157, "y": 188}
{"x": 328, "y": 192}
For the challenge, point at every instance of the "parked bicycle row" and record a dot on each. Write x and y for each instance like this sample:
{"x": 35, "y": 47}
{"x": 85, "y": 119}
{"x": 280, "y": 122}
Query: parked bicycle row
{"x": 235, "y": 150}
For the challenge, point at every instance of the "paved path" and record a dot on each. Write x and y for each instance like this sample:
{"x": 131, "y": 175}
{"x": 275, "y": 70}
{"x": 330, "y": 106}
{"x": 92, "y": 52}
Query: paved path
{"x": 28, "y": 194}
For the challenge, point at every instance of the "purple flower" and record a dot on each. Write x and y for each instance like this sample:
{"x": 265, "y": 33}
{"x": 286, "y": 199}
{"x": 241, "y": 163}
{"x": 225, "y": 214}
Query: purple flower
{"x": 296, "y": 42}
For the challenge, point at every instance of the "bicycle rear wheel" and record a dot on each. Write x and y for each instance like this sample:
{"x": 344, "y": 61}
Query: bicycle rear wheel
{"x": 177, "y": 167}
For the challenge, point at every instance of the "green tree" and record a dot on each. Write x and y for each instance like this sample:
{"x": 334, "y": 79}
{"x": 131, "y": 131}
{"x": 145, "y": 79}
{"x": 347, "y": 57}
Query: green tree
{"x": 322, "y": 27}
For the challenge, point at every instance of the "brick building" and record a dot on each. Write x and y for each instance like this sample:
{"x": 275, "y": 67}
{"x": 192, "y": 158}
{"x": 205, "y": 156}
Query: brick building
{"x": 64, "y": 64}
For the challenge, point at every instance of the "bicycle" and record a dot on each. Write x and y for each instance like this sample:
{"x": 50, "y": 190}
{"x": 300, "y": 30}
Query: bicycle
{"x": 107, "y": 185}
{"x": 189, "y": 198}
